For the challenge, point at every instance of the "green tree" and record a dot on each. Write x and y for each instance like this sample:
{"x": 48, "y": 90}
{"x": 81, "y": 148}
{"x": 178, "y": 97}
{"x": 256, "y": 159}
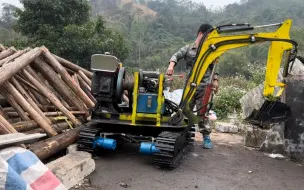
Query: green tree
{"x": 78, "y": 43}
{"x": 234, "y": 64}
{"x": 8, "y": 17}
{"x": 45, "y": 26}
{"x": 66, "y": 29}
{"x": 7, "y": 20}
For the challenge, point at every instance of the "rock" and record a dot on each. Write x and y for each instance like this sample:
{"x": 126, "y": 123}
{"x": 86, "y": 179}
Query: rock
{"x": 274, "y": 142}
{"x": 195, "y": 155}
{"x": 254, "y": 136}
{"x": 124, "y": 185}
{"x": 18, "y": 138}
{"x": 226, "y": 127}
{"x": 294, "y": 129}
{"x": 233, "y": 118}
{"x": 254, "y": 99}
{"x": 196, "y": 187}
{"x": 276, "y": 156}
{"x": 72, "y": 149}
{"x": 72, "y": 168}
{"x": 250, "y": 172}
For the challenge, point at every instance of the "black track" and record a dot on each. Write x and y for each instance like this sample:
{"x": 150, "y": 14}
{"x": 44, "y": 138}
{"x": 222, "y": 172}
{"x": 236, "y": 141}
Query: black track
{"x": 173, "y": 147}
{"x": 86, "y": 139}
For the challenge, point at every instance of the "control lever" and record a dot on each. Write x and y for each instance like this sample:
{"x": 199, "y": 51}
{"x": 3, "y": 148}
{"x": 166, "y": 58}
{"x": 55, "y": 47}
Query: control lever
{"x": 171, "y": 77}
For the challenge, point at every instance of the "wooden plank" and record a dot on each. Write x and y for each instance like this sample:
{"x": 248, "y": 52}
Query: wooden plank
{"x": 29, "y": 99}
{"x": 13, "y": 56}
{"x": 10, "y": 99}
{"x": 51, "y": 96}
{"x": 68, "y": 79}
{"x": 55, "y": 144}
{"x": 59, "y": 85}
{"x": 7, "y": 52}
{"x": 73, "y": 66}
{"x": 59, "y": 127}
{"x": 85, "y": 78}
{"x": 9, "y": 70}
{"x": 27, "y": 107}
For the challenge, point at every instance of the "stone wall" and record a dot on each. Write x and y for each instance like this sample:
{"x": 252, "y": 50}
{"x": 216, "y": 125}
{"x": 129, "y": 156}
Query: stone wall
{"x": 294, "y": 127}
{"x": 286, "y": 137}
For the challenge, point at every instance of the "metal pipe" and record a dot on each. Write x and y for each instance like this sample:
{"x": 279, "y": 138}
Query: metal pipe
{"x": 268, "y": 25}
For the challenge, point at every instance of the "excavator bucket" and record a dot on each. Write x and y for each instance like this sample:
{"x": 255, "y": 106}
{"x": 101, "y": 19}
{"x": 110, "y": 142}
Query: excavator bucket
{"x": 271, "y": 112}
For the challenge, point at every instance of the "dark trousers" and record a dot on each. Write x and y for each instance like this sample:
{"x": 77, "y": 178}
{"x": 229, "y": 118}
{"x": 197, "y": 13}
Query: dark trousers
{"x": 197, "y": 101}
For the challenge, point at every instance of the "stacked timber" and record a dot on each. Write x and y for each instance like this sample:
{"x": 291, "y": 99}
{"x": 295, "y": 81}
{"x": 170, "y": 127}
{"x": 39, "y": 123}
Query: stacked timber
{"x": 44, "y": 93}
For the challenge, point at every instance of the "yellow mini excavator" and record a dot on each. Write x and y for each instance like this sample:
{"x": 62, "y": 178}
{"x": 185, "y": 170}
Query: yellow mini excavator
{"x": 137, "y": 111}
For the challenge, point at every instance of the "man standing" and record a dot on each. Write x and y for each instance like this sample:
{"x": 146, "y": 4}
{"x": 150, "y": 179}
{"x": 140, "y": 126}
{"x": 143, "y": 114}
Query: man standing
{"x": 188, "y": 53}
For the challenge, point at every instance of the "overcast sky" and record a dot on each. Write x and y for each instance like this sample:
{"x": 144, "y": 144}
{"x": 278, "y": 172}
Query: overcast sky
{"x": 208, "y": 3}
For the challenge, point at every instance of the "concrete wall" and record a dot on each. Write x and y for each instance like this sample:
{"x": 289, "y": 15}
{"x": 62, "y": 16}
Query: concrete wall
{"x": 286, "y": 137}
{"x": 294, "y": 127}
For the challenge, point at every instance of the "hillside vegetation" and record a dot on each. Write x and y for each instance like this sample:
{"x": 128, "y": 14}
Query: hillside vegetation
{"x": 153, "y": 39}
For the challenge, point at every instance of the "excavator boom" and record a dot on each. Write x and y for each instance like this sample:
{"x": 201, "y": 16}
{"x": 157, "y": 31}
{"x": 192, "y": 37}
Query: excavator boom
{"x": 214, "y": 44}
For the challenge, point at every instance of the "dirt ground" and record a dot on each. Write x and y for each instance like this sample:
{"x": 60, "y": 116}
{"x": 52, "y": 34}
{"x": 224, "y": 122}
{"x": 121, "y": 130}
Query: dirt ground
{"x": 228, "y": 165}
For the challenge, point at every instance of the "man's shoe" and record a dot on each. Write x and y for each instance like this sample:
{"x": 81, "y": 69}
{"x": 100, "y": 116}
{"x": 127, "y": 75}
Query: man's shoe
{"x": 207, "y": 142}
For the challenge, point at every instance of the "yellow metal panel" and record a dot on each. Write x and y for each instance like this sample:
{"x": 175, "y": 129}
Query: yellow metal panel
{"x": 159, "y": 99}
{"x": 275, "y": 57}
{"x": 125, "y": 117}
{"x": 280, "y": 92}
{"x": 273, "y": 65}
{"x": 144, "y": 115}
{"x": 135, "y": 96}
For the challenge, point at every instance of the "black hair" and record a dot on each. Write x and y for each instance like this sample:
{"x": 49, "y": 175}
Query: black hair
{"x": 204, "y": 28}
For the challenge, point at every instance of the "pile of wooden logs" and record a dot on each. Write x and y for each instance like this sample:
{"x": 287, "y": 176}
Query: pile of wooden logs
{"x": 44, "y": 93}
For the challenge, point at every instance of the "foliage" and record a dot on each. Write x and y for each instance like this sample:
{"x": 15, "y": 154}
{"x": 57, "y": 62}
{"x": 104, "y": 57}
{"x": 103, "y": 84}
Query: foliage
{"x": 80, "y": 42}
{"x": 234, "y": 63}
{"x": 66, "y": 29}
{"x": 7, "y": 20}
{"x": 8, "y": 17}
{"x": 153, "y": 39}
{"x": 227, "y": 101}
{"x": 233, "y": 88}
{"x": 230, "y": 92}
{"x": 52, "y": 15}
{"x": 149, "y": 33}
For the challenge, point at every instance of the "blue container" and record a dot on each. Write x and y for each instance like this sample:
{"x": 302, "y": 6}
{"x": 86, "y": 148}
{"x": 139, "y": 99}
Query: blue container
{"x": 147, "y": 103}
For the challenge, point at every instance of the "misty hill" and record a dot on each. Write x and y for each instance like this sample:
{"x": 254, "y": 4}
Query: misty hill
{"x": 160, "y": 27}
{"x": 110, "y": 8}
{"x": 254, "y": 11}
{"x": 263, "y": 11}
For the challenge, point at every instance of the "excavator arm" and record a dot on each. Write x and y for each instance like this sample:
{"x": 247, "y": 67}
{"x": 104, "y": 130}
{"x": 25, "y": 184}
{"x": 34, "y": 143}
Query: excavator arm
{"x": 214, "y": 44}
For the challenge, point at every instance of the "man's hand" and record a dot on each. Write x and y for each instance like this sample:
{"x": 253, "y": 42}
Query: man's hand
{"x": 170, "y": 70}
{"x": 215, "y": 85}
